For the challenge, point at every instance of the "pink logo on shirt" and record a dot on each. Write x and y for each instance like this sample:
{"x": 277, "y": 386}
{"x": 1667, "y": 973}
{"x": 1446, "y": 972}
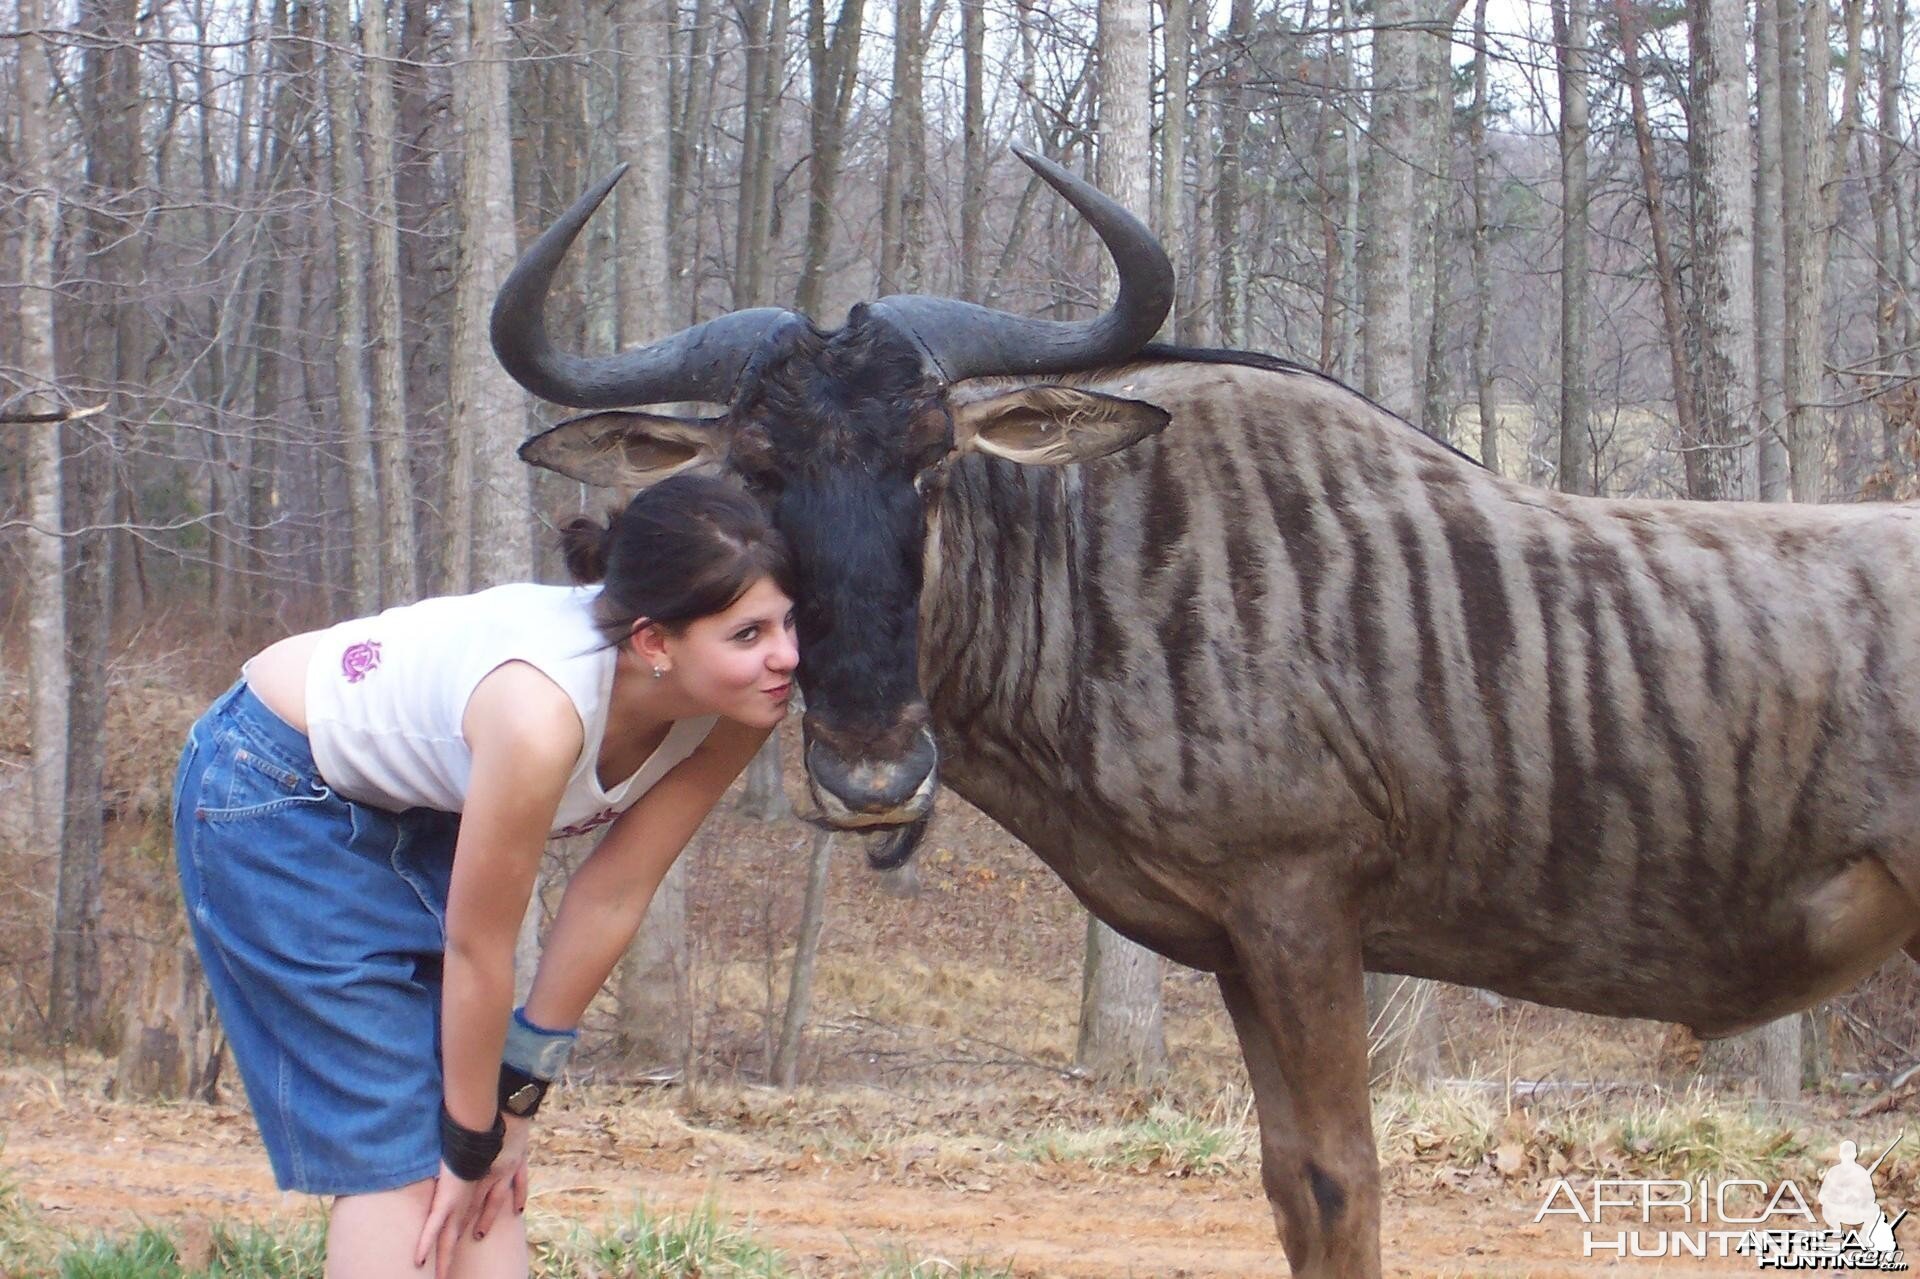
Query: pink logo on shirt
{"x": 360, "y": 660}
{"x": 591, "y": 824}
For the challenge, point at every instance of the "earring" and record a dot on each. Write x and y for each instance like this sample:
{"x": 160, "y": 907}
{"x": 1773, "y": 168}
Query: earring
{"x": 657, "y": 672}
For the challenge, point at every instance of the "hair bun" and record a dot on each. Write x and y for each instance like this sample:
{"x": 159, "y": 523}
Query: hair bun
{"x": 584, "y": 544}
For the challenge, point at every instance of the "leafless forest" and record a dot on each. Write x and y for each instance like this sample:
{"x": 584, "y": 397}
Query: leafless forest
{"x": 250, "y": 245}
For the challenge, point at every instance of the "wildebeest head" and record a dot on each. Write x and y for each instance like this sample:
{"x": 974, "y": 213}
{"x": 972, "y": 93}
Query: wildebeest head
{"x": 844, "y": 435}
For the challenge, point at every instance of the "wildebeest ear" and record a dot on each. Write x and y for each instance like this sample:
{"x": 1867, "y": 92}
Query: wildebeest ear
{"x": 1051, "y": 425}
{"x": 625, "y": 448}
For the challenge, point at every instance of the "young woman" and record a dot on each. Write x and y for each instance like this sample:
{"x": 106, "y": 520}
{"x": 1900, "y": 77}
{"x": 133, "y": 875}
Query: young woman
{"x": 358, "y": 822}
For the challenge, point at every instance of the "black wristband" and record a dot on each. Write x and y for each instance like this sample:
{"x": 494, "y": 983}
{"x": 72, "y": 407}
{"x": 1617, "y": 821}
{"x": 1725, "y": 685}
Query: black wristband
{"x": 468, "y": 1152}
{"x": 520, "y": 1092}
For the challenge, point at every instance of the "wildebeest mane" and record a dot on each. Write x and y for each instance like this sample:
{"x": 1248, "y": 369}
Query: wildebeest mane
{"x": 1166, "y": 353}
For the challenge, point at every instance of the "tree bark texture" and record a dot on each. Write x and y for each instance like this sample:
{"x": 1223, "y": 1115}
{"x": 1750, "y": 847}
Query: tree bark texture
{"x": 1771, "y": 478}
{"x": 656, "y": 1016}
{"x": 973, "y": 193}
{"x": 1577, "y": 460}
{"x": 1725, "y": 220}
{"x": 833, "y": 62}
{"x": 1388, "y": 210}
{"x": 45, "y": 562}
{"x": 1170, "y": 222}
{"x": 111, "y": 106}
{"x": 1229, "y": 254}
{"x": 1803, "y": 140}
{"x": 903, "y": 181}
{"x": 171, "y": 1047}
{"x": 350, "y": 307}
{"x": 1483, "y": 391}
{"x": 399, "y": 541}
{"x": 1666, "y": 274}
{"x": 492, "y": 542}
{"x": 785, "y": 1069}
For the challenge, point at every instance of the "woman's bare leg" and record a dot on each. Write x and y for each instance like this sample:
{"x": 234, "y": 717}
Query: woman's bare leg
{"x": 373, "y": 1237}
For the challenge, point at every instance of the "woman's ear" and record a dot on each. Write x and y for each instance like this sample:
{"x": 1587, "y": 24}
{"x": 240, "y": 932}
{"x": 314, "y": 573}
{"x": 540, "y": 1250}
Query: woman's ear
{"x": 649, "y": 643}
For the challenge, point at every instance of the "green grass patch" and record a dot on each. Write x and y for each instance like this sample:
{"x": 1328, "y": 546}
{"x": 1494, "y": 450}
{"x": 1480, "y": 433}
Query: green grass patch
{"x": 1165, "y": 1140}
{"x": 148, "y": 1255}
{"x": 696, "y": 1246}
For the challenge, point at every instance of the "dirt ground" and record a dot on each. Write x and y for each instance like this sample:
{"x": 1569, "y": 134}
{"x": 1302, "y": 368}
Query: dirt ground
{"x": 94, "y": 1165}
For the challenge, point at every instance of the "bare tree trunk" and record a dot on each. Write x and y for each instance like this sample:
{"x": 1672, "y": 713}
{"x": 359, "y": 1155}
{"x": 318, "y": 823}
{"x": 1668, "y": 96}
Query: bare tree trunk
{"x": 1482, "y": 248}
{"x": 1704, "y": 471}
{"x": 46, "y": 571}
{"x": 764, "y": 798}
{"x": 491, "y": 542}
{"x": 806, "y": 952}
{"x": 399, "y": 544}
{"x": 111, "y": 107}
{"x": 690, "y": 155}
{"x": 172, "y": 1045}
{"x": 1725, "y": 219}
{"x": 655, "y": 1011}
{"x": 898, "y": 253}
{"x": 1330, "y": 130}
{"x": 1403, "y": 1033}
{"x": 1889, "y": 297}
{"x": 1769, "y": 254}
{"x": 1431, "y": 177}
{"x": 1767, "y": 1059}
{"x": 1577, "y": 461}
{"x": 224, "y": 446}
{"x": 833, "y": 62}
{"x": 1229, "y": 253}
{"x": 760, "y": 138}
{"x": 656, "y": 1005}
{"x": 1388, "y": 253}
{"x": 1803, "y": 138}
{"x": 1171, "y": 224}
{"x": 350, "y": 309}
{"x": 973, "y": 196}
{"x": 1121, "y": 1034}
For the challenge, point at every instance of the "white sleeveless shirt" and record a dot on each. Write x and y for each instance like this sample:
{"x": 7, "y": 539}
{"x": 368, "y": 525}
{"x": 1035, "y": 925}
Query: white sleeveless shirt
{"x": 386, "y": 695}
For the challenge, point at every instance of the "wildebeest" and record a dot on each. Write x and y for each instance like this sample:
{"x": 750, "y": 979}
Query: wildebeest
{"x": 1288, "y": 691}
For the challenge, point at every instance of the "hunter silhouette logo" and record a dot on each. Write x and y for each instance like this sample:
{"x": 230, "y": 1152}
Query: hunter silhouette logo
{"x": 1858, "y": 1235}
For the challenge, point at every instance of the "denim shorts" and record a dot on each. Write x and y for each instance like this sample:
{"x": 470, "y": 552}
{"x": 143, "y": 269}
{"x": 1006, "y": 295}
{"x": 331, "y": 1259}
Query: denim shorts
{"x": 321, "y": 924}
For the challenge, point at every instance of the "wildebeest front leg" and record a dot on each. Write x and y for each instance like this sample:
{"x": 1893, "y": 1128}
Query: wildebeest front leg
{"x": 1299, "y": 1008}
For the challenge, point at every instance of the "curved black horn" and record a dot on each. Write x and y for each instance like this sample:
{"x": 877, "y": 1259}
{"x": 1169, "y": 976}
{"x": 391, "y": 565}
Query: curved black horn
{"x": 700, "y": 363}
{"x": 964, "y": 340}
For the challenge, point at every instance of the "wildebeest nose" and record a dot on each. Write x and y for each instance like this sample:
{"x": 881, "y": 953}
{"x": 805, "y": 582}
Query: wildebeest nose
{"x": 869, "y": 792}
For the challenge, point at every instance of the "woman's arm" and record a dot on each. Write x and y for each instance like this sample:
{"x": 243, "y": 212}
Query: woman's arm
{"x": 607, "y": 897}
{"x": 526, "y": 738}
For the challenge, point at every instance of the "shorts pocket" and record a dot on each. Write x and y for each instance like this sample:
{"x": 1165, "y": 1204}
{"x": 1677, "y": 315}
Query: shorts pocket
{"x": 240, "y": 783}
{"x": 188, "y": 754}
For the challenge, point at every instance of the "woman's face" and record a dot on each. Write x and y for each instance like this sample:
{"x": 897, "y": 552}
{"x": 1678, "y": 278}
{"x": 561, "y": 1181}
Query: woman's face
{"x": 740, "y": 662}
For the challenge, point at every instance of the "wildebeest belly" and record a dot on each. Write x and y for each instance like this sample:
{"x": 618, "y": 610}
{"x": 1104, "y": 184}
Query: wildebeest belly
{"x": 1808, "y": 935}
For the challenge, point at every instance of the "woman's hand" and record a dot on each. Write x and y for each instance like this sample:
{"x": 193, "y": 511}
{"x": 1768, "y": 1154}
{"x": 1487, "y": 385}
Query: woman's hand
{"x": 453, "y": 1203}
{"x": 507, "y": 1179}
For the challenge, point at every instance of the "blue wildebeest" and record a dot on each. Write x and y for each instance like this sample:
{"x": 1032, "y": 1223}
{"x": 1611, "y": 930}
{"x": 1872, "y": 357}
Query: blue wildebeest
{"x": 1289, "y": 691}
